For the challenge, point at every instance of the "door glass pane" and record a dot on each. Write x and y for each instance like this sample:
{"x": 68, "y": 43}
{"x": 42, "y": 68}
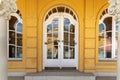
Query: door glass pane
{"x": 49, "y": 38}
{"x": 55, "y": 25}
{"x": 66, "y": 38}
{"x": 49, "y": 46}
{"x": 55, "y": 43}
{"x": 72, "y": 28}
{"x": 49, "y": 28}
{"x": 55, "y": 50}
{"x": 66, "y": 24}
{"x": 72, "y": 42}
{"x": 49, "y": 51}
{"x": 72, "y": 52}
{"x": 69, "y": 30}
{"x": 66, "y": 52}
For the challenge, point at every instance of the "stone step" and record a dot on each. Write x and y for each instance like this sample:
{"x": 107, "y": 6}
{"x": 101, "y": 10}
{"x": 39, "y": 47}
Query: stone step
{"x": 60, "y": 75}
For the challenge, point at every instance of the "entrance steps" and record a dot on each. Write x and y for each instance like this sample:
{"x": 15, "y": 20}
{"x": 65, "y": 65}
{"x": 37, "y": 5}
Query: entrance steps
{"x": 60, "y": 75}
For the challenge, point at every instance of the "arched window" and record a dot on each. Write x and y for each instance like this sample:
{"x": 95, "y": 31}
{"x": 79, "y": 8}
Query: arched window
{"x": 15, "y": 36}
{"x": 60, "y": 9}
{"x": 108, "y": 36}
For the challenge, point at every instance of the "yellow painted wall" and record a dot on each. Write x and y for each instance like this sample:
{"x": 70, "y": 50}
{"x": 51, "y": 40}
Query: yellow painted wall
{"x": 88, "y": 13}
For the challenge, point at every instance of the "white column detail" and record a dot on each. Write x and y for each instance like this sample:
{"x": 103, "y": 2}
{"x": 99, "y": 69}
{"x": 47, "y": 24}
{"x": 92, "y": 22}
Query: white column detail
{"x": 6, "y": 8}
{"x": 114, "y": 9}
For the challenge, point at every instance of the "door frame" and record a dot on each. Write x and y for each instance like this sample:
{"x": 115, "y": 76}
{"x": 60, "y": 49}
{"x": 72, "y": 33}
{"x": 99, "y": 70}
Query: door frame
{"x": 76, "y": 35}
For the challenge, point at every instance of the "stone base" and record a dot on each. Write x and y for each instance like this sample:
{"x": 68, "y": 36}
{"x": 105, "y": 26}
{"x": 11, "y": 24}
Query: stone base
{"x": 60, "y": 75}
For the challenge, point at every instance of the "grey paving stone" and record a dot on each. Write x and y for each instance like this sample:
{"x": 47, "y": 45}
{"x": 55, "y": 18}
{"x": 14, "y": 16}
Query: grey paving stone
{"x": 105, "y": 78}
{"x": 15, "y": 78}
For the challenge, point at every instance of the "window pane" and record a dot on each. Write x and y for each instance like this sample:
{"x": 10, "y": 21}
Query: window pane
{"x": 19, "y": 52}
{"x": 101, "y": 28}
{"x": 108, "y": 23}
{"x": 109, "y": 45}
{"x": 19, "y": 28}
{"x": 67, "y": 10}
{"x": 101, "y": 35}
{"x": 12, "y": 22}
{"x": 116, "y": 44}
{"x": 102, "y": 52}
{"x": 109, "y": 51}
{"x": 54, "y": 10}
{"x": 19, "y": 39}
{"x": 116, "y": 40}
{"x": 11, "y": 37}
{"x": 60, "y": 9}
{"x": 11, "y": 51}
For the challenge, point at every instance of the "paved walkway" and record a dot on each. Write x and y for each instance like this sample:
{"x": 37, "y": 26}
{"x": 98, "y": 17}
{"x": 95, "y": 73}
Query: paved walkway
{"x": 15, "y": 78}
{"x": 97, "y": 78}
{"x": 105, "y": 78}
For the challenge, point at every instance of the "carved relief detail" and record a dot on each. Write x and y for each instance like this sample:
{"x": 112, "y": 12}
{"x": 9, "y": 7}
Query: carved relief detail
{"x": 7, "y": 7}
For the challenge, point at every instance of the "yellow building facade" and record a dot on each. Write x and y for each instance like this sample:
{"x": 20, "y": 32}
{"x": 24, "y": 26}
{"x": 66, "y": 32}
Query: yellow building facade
{"x": 88, "y": 13}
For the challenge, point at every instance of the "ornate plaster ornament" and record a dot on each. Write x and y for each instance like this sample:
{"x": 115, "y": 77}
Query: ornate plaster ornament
{"x": 7, "y": 7}
{"x": 114, "y": 9}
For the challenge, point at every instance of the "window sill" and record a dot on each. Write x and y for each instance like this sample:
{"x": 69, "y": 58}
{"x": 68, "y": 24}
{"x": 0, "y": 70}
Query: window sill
{"x": 108, "y": 60}
{"x": 15, "y": 59}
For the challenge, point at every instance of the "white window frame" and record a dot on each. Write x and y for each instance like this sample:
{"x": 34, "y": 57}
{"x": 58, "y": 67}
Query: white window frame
{"x": 113, "y": 37}
{"x": 19, "y": 21}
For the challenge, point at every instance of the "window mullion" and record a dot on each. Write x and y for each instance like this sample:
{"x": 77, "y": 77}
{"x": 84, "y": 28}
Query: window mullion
{"x": 15, "y": 41}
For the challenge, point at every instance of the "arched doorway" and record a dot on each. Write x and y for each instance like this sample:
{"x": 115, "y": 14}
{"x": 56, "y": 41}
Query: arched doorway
{"x": 60, "y": 38}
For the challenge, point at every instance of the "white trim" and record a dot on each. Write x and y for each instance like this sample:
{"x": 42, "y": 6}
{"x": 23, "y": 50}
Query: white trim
{"x": 113, "y": 31}
{"x": 17, "y": 16}
{"x": 105, "y": 16}
{"x": 16, "y": 73}
{"x": 19, "y": 21}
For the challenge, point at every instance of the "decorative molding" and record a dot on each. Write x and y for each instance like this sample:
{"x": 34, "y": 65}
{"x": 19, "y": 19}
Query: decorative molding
{"x": 114, "y": 9}
{"x": 7, "y": 7}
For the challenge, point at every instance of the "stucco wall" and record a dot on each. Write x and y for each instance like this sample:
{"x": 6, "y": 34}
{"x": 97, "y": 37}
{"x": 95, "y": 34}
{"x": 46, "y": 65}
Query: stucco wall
{"x": 88, "y": 13}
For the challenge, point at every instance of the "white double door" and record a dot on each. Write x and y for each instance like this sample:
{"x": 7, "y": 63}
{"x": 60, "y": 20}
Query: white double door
{"x": 60, "y": 41}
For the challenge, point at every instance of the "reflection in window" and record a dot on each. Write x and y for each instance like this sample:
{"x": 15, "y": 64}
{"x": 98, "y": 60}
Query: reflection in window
{"x": 52, "y": 42}
{"x": 15, "y": 36}
{"x": 66, "y": 24}
{"x": 108, "y": 37}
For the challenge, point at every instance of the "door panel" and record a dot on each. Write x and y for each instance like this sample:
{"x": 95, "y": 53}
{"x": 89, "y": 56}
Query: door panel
{"x": 60, "y": 47}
